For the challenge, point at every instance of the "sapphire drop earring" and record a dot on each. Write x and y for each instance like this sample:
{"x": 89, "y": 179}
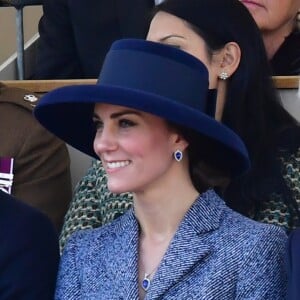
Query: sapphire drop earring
{"x": 178, "y": 155}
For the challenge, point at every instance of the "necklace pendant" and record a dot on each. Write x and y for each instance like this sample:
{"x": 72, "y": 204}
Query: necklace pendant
{"x": 146, "y": 283}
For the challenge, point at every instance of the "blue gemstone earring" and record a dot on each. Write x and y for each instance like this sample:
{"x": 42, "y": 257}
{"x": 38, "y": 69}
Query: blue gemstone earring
{"x": 178, "y": 155}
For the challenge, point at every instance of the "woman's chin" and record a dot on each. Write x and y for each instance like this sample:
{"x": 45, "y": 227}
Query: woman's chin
{"x": 117, "y": 188}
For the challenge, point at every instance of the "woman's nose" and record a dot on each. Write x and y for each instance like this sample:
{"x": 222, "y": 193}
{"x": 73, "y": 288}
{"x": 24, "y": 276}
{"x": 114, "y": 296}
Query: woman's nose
{"x": 105, "y": 141}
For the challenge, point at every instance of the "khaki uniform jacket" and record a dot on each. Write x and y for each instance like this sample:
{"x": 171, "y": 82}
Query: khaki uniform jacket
{"x": 41, "y": 161}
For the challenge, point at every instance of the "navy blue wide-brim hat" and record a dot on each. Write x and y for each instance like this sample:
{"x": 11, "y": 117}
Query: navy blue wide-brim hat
{"x": 149, "y": 77}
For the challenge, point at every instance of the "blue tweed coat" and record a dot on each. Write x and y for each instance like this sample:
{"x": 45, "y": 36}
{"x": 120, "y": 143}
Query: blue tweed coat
{"x": 215, "y": 254}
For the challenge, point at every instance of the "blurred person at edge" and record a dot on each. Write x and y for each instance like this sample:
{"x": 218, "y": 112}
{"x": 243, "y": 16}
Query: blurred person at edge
{"x": 29, "y": 252}
{"x": 293, "y": 265}
{"x": 75, "y": 35}
{"x": 40, "y": 163}
{"x": 278, "y": 23}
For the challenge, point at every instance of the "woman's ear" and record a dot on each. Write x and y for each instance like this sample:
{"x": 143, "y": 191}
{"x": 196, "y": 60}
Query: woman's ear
{"x": 226, "y": 62}
{"x": 229, "y": 59}
{"x": 180, "y": 143}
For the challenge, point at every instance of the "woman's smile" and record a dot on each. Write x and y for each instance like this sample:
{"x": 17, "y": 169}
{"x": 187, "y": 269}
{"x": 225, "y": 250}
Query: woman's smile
{"x": 112, "y": 165}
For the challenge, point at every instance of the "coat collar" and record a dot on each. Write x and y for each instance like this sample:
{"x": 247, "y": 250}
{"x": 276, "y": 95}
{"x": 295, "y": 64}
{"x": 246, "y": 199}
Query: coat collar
{"x": 189, "y": 242}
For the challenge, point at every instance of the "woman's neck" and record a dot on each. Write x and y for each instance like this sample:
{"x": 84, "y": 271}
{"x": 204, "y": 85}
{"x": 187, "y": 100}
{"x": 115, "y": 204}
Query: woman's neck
{"x": 274, "y": 39}
{"x": 160, "y": 211}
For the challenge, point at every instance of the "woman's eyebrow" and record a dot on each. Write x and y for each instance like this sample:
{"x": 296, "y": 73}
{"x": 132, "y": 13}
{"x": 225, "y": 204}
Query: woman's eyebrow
{"x": 124, "y": 112}
{"x": 170, "y": 36}
{"x": 119, "y": 114}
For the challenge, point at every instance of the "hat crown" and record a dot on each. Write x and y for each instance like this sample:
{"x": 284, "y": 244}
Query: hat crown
{"x": 153, "y": 78}
{"x": 157, "y": 69}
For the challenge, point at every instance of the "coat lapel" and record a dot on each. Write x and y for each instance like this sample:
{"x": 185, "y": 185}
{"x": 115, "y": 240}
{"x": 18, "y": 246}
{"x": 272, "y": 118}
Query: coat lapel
{"x": 122, "y": 267}
{"x": 187, "y": 250}
{"x": 188, "y": 247}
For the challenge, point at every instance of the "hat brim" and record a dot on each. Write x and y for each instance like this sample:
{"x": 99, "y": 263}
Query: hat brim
{"x": 67, "y": 112}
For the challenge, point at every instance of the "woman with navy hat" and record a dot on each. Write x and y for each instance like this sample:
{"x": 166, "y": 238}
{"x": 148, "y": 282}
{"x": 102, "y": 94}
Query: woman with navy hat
{"x": 150, "y": 121}
{"x": 246, "y": 102}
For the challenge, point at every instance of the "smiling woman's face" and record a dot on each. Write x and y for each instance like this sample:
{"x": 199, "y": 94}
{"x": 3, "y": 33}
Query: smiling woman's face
{"x": 136, "y": 148}
{"x": 273, "y": 14}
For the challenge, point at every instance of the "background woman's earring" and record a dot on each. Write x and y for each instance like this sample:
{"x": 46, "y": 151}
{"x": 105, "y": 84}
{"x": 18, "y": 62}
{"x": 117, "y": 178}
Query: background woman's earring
{"x": 178, "y": 155}
{"x": 223, "y": 75}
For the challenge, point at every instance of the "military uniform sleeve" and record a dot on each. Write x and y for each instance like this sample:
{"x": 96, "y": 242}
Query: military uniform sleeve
{"x": 43, "y": 168}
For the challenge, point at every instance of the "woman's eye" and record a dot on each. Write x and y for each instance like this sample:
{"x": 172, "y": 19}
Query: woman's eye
{"x": 175, "y": 46}
{"x": 124, "y": 123}
{"x": 98, "y": 124}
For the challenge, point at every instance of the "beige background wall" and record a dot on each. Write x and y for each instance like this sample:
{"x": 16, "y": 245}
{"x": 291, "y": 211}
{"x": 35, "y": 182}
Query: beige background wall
{"x": 31, "y": 15}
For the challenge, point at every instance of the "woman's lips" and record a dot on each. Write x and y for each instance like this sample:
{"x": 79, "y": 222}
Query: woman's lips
{"x": 251, "y": 4}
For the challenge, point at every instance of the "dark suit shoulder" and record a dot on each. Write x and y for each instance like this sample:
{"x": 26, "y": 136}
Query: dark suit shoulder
{"x": 293, "y": 265}
{"x": 26, "y": 223}
{"x": 286, "y": 61}
{"x": 294, "y": 240}
{"x": 29, "y": 252}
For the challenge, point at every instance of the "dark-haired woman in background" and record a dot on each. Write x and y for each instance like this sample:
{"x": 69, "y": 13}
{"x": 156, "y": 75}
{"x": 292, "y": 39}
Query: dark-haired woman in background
{"x": 269, "y": 192}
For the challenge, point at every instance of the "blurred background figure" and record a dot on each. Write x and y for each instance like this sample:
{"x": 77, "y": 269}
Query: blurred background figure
{"x": 293, "y": 264}
{"x": 28, "y": 254}
{"x": 277, "y": 21}
{"x": 40, "y": 164}
{"x": 75, "y": 35}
